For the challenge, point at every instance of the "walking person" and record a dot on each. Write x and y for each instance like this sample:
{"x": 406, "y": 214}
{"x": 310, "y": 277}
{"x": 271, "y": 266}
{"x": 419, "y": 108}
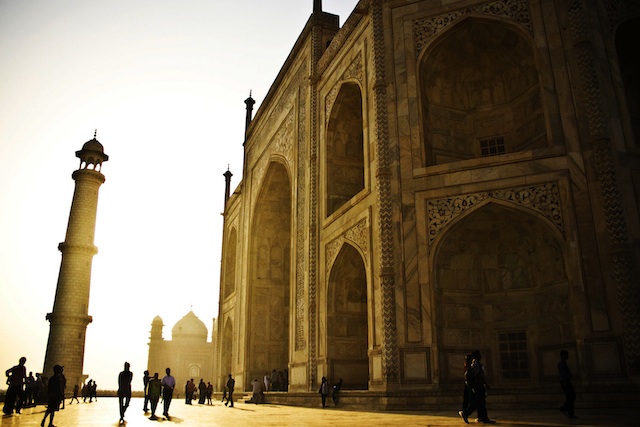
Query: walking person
{"x": 476, "y": 378}
{"x": 231, "y": 383}
{"x": 564, "y": 373}
{"x": 168, "y": 384}
{"x": 324, "y": 391}
{"x": 145, "y": 382}
{"x": 154, "y": 390}
{"x": 124, "y": 390}
{"x": 76, "y": 389}
{"x": 467, "y": 393}
{"x": 16, "y": 377}
{"x": 55, "y": 395}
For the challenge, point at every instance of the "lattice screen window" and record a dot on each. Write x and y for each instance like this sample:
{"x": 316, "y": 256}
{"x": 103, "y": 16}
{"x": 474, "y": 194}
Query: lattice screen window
{"x": 492, "y": 146}
{"x": 514, "y": 359}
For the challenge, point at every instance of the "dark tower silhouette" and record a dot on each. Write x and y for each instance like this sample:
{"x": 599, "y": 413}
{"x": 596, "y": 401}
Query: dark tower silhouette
{"x": 227, "y": 185}
{"x": 69, "y": 318}
{"x": 250, "y": 102}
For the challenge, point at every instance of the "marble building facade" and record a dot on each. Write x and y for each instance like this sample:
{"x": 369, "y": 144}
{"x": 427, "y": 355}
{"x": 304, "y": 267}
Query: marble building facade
{"x": 435, "y": 177}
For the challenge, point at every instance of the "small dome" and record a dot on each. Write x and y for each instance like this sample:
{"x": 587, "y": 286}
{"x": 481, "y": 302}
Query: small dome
{"x": 157, "y": 319}
{"x": 189, "y": 327}
{"x": 93, "y": 145}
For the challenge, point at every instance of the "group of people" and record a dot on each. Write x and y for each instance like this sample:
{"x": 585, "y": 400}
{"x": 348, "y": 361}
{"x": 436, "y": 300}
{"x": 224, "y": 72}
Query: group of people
{"x": 335, "y": 391}
{"x": 154, "y": 388}
{"x": 205, "y": 391}
{"x": 276, "y": 381}
{"x": 26, "y": 391}
{"x": 474, "y": 396}
{"x": 476, "y": 386}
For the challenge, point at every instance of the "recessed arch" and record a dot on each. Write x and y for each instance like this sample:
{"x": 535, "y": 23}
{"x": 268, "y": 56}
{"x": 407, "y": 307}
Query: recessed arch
{"x": 270, "y": 275}
{"x": 226, "y": 348}
{"x": 501, "y": 283}
{"x": 347, "y": 324}
{"x": 230, "y": 263}
{"x": 344, "y": 147}
{"x": 480, "y": 93}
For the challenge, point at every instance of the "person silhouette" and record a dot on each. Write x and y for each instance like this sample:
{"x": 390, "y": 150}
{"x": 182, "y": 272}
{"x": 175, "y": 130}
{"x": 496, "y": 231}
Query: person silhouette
{"x": 124, "y": 390}
{"x": 168, "y": 384}
{"x": 231, "y": 383}
{"x": 145, "y": 381}
{"x": 564, "y": 374}
{"x": 55, "y": 395}
{"x": 16, "y": 377}
{"x": 324, "y": 391}
{"x": 155, "y": 389}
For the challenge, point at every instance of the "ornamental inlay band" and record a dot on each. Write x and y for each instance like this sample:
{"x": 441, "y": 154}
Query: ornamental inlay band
{"x": 544, "y": 199}
{"x": 516, "y": 10}
{"x": 358, "y": 235}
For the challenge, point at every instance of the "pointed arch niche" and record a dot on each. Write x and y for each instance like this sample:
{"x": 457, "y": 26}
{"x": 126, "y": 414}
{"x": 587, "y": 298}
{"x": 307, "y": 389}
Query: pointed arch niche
{"x": 268, "y": 308}
{"x": 230, "y": 264}
{"x": 627, "y": 42}
{"x": 502, "y": 287}
{"x": 480, "y": 93}
{"x": 347, "y": 325}
{"x": 344, "y": 148}
{"x": 226, "y": 360}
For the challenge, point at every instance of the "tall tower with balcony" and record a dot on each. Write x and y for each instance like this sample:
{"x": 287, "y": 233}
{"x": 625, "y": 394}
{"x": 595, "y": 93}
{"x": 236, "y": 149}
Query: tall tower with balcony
{"x": 69, "y": 318}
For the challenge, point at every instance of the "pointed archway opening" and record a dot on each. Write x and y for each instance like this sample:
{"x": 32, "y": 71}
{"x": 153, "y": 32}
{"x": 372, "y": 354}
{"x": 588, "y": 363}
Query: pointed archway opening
{"x": 502, "y": 287}
{"x": 226, "y": 366}
{"x": 270, "y": 275}
{"x": 347, "y": 325}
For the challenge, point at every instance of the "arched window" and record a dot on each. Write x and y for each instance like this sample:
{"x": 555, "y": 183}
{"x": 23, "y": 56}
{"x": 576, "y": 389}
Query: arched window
{"x": 344, "y": 148}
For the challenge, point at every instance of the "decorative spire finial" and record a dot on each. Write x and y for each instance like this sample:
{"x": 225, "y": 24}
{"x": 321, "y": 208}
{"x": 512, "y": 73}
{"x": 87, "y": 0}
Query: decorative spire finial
{"x": 95, "y": 133}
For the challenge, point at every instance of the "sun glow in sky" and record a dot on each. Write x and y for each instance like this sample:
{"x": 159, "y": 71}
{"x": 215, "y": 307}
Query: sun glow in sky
{"x": 163, "y": 82}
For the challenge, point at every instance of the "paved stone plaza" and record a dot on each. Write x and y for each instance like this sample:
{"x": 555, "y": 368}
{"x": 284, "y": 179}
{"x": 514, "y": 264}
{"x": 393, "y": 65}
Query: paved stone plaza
{"x": 104, "y": 412}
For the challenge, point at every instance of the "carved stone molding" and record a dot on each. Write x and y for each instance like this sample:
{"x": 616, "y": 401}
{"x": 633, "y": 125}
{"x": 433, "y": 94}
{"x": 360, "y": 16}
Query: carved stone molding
{"x": 301, "y": 230}
{"x": 515, "y": 10}
{"x": 358, "y": 235}
{"x": 620, "y": 10}
{"x": 543, "y": 198}
{"x": 281, "y": 144}
{"x": 625, "y": 270}
{"x": 353, "y": 72}
{"x": 390, "y": 357}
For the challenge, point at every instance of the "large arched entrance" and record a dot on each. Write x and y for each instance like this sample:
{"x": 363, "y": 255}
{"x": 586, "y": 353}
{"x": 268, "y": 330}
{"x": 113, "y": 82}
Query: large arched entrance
{"x": 501, "y": 287}
{"x": 347, "y": 325}
{"x": 269, "y": 287}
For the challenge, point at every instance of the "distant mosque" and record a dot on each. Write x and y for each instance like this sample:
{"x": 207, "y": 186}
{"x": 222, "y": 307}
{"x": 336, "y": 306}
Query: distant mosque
{"x": 188, "y": 353}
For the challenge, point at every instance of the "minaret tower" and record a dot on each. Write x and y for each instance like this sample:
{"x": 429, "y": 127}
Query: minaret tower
{"x": 69, "y": 318}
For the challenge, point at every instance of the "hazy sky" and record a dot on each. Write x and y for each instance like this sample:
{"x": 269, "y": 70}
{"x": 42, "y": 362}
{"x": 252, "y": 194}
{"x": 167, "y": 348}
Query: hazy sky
{"x": 163, "y": 82}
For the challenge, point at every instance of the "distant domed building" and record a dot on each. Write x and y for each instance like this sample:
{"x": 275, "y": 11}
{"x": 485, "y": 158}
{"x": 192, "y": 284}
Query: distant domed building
{"x": 188, "y": 353}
